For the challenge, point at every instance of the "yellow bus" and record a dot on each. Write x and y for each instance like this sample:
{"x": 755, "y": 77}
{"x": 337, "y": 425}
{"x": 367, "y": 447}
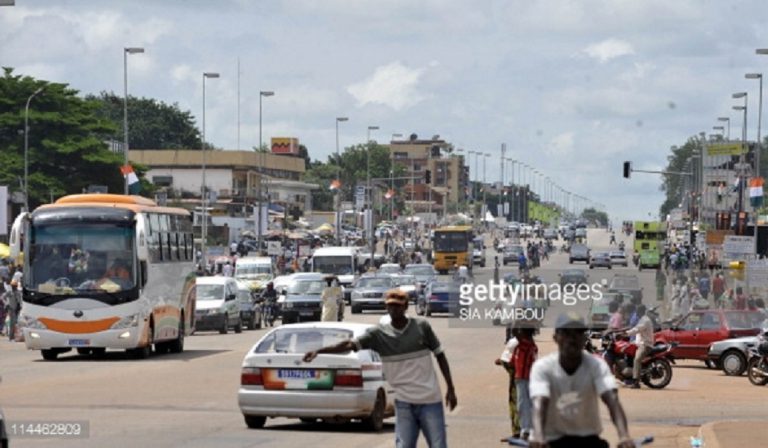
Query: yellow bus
{"x": 106, "y": 271}
{"x": 650, "y": 237}
{"x": 452, "y": 247}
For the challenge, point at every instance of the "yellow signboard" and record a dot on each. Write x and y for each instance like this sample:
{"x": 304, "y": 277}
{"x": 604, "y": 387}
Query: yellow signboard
{"x": 724, "y": 149}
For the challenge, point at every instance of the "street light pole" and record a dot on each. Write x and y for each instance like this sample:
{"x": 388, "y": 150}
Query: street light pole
{"x": 338, "y": 178}
{"x": 126, "y": 52}
{"x": 259, "y": 231}
{"x": 203, "y": 245}
{"x": 744, "y": 145}
{"x": 26, "y": 148}
{"x": 392, "y": 178}
{"x": 370, "y": 191}
{"x": 727, "y": 120}
{"x": 758, "y": 150}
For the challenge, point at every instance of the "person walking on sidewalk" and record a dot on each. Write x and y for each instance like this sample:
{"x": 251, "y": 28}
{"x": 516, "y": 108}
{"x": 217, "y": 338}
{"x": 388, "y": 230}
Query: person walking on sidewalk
{"x": 524, "y": 356}
{"x": 404, "y": 344}
{"x": 506, "y": 361}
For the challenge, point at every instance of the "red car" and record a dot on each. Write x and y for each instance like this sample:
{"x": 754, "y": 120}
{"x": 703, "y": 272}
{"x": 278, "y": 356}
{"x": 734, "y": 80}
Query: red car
{"x": 696, "y": 331}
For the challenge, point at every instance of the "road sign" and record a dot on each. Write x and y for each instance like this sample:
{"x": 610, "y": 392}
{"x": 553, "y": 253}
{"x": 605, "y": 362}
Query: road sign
{"x": 274, "y": 248}
{"x": 724, "y": 149}
{"x": 360, "y": 197}
{"x": 757, "y": 273}
{"x": 734, "y": 244}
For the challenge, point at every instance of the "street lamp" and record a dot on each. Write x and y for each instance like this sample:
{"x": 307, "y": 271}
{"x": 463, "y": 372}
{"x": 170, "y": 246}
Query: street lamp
{"x": 758, "y": 76}
{"x": 26, "y": 148}
{"x": 744, "y": 145}
{"x": 368, "y": 187}
{"x": 204, "y": 258}
{"x": 485, "y": 187}
{"x": 338, "y": 178}
{"x": 126, "y": 52}
{"x": 259, "y": 232}
{"x": 728, "y": 120}
{"x": 392, "y": 178}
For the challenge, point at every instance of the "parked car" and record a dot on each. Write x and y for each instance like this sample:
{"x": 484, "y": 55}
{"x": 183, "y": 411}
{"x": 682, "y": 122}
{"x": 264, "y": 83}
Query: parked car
{"x": 618, "y": 257}
{"x": 250, "y": 308}
{"x": 369, "y": 292}
{"x": 731, "y": 355}
{"x": 600, "y": 260}
{"x": 574, "y": 277}
{"x": 440, "y": 297}
{"x": 302, "y": 298}
{"x": 275, "y": 382}
{"x": 217, "y": 307}
{"x": 579, "y": 252}
{"x": 511, "y": 254}
{"x": 699, "y": 329}
{"x": 626, "y": 283}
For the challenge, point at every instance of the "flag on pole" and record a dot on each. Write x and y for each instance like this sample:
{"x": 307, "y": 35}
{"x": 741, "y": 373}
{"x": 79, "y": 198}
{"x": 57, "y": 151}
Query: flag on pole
{"x": 134, "y": 186}
{"x": 389, "y": 194}
{"x": 335, "y": 184}
{"x": 756, "y": 191}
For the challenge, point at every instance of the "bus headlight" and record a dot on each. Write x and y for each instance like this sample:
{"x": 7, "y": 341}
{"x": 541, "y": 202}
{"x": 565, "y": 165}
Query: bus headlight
{"x": 126, "y": 322}
{"x": 31, "y": 322}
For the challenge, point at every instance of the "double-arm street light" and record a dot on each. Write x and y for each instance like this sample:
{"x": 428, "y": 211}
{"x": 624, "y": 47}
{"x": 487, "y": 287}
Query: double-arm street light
{"x": 126, "y": 52}
{"x": 338, "y": 179}
{"x": 392, "y": 178}
{"x": 26, "y": 148}
{"x": 204, "y": 196}
{"x": 744, "y": 145}
{"x": 370, "y": 191}
{"x": 727, "y": 120}
{"x": 259, "y": 230}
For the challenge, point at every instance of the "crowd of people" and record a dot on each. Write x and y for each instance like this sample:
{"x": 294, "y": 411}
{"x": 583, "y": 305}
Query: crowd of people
{"x": 10, "y": 298}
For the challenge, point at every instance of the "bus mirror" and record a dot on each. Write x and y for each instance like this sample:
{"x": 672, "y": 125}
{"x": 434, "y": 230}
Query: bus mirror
{"x": 17, "y": 235}
{"x": 142, "y": 250}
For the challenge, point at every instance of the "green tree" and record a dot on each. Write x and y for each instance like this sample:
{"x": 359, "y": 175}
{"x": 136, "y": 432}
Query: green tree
{"x": 592, "y": 215}
{"x": 66, "y": 150}
{"x": 673, "y": 185}
{"x": 152, "y": 124}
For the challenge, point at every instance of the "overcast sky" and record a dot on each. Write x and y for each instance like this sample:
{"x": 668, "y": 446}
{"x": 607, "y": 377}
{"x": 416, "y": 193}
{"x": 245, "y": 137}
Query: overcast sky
{"x": 573, "y": 87}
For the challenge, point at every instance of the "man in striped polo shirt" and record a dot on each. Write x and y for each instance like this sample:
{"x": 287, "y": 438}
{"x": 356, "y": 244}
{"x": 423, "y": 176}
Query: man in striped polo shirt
{"x": 405, "y": 344}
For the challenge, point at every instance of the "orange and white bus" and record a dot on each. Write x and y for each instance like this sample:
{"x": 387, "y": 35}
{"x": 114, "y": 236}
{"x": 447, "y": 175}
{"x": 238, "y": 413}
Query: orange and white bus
{"x": 105, "y": 271}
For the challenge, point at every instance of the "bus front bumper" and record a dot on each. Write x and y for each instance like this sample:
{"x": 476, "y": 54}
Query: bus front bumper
{"x": 124, "y": 338}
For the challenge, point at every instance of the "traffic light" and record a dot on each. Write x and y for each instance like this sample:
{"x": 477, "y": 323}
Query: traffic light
{"x": 428, "y": 176}
{"x": 627, "y": 169}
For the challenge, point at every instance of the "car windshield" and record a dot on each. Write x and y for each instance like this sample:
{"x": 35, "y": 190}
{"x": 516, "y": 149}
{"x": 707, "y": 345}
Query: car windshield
{"x": 625, "y": 282}
{"x": 390, "y": 269}
{"x": 307, "y": 287}
{"x": 210, "y": 292}
{"x": 338, "y": 265}
{"x": 301, "y": 340}
{"x": 404, "y": 280}
{"x": 420, "y": 270}
{"x": 444, "y": 286}
{"x": 617, "y": 254}
{"x": 375, "y": 282}
{"x": 574, "y": 274}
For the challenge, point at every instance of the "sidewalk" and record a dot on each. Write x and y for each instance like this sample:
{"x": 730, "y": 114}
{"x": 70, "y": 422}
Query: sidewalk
{"x": 734, "y": 434}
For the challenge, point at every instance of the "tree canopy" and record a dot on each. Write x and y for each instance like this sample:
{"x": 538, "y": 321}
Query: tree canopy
{"x": 152, "y": 124}
{"x": 66, "y": 148}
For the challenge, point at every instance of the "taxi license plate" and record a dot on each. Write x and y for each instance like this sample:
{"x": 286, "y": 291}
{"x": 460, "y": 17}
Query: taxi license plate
{"x": 79, "y": 342}
{"x": 305, "y": 313}
{"x": 296, "y": 374}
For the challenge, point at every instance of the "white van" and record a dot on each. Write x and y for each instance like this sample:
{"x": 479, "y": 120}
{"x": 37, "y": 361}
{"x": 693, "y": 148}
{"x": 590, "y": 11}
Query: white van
{"x": 257, "y": 271}
{"x": 339, "y": 261}
{"x": 217, "y": 305}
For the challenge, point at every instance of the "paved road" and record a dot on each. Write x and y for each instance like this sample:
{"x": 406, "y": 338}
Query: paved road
{"x": 190, "y": 399}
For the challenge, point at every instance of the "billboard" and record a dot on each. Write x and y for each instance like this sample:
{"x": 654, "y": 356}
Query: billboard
{"x": 285, "y": 145}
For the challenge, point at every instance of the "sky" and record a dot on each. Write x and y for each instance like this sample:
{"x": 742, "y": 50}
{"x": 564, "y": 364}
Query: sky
{"x": 572, "y": 87}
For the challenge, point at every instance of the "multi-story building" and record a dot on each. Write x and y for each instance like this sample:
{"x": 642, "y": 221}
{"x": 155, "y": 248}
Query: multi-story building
{"x": 449, "y": 174}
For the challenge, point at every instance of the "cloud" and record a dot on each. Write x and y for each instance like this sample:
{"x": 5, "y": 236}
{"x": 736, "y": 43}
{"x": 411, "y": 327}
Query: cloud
{"x": 609, "y": 49}
{"x": 392, "y": 85}
{"x": 561, "y": 145}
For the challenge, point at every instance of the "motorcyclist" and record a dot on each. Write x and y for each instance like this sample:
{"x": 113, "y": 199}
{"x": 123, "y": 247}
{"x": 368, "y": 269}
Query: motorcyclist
{"x": 613, "y": 238}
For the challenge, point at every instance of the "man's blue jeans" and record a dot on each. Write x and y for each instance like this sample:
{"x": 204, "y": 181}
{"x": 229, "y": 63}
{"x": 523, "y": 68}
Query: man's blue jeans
{"x": 411, "y": 418}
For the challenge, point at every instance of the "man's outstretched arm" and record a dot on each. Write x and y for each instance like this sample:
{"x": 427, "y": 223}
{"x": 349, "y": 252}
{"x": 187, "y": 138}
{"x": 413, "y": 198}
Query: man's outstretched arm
{"x": 341, "y": 347}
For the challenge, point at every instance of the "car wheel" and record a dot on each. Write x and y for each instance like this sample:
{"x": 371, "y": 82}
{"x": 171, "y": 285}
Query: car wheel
{"x": 258, "y": 322}
{"x": 255, "y": 421}
{"x": 224, "y": 327}
{"x": 239, "y": 324}
{"x": 356, "y": 309}
{"x": 375, "y": 422}
{"x": 49, "y": 354}
{"x": 733, "y": 362}
{"x": 570, "y": 261}
{"x": 610, "y": 267}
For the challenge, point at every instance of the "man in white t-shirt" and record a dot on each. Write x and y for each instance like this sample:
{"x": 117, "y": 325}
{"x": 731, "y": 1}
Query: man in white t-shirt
{"x": 565, "y": 387}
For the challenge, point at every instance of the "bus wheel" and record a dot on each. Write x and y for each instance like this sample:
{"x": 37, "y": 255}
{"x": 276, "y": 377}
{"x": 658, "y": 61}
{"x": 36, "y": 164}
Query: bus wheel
{"x": 146, "y": 351}
{"x": 49, "y": 354}
{"x": 177, "y": 345}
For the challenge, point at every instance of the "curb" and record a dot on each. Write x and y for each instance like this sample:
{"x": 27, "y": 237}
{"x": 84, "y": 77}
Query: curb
{"x": 733, "y": 433}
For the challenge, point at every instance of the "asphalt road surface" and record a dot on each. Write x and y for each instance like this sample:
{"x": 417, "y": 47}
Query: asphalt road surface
{"x": 190, "y": 399}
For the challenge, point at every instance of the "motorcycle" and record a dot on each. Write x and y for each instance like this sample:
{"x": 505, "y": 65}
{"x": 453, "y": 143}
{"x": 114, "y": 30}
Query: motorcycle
{"x": 757, "y": 368}
{"x": 619, "y": 353}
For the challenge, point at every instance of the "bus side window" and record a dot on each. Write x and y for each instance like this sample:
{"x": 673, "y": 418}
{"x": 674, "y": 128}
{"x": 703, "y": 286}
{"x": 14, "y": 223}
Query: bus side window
{"x": 142, "y": 273}
{"x": 153, "y": 239}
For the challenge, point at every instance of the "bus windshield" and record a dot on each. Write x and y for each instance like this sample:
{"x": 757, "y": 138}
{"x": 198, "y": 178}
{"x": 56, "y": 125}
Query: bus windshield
{"x": 253, "y": 271}
{"x": 339, "y": 265}
{"x": 87, "y": 259}
{"x": 451, "y": 242}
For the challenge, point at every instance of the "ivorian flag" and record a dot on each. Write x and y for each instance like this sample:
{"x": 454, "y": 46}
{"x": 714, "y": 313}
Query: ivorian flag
{"x": 134, "y": 186}
{"x": 756, "y": 191}
{"x": 335, "y": 184}
{"x": 389, "y": 194}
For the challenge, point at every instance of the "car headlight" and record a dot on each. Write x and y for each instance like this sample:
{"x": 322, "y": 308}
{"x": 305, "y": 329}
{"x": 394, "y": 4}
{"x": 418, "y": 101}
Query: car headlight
{"x": 126, "y": 322}
{"x": 356, "y": 295}
{"x": 287, "y": 305}
{"x": 213, "y": 311}
{"x": 31, "y": 322}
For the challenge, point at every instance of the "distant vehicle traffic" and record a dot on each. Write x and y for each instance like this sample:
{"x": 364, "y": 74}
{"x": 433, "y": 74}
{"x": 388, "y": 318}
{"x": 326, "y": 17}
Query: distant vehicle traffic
{"x": 439, "y": 297}
{"x": 369, "y": 292}
{"x": 217, "y": 306}
{"x": 618, "y": 258}
{"x": 626, "y": 283}
{"x": 274, "y": 382}
{"x": 302, "y": 298}
{"x": 512, "y": 253}
{"x": 579, "y": 252}
{"x": 600, "y": 260}
{"x": 250, "y": 308}
{"x": 649, "y": 243}
{"x": 574, "y": 277}
{"x": 452, "y": 248}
